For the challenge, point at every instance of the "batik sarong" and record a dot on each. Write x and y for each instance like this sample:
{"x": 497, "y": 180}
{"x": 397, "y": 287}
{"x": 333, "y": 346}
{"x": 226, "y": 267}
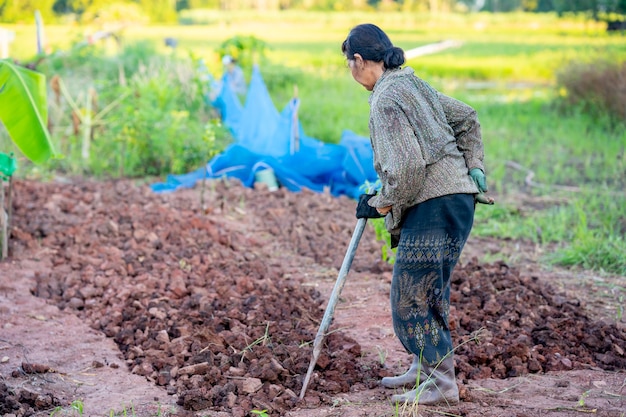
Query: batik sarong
{"x": 432, "y": 237}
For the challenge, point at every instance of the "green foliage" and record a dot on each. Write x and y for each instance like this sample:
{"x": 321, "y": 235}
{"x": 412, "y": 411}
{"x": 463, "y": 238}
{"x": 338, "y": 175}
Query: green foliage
{"x": 12, "y": 11}
{"x": 247, "y": 50}
{"x": 24, "y": 110}
{"x": 387, "y": 254}
{"x": 150, "y": 116}
{"x": 78, "y": 406}
{"x": 595, "y": 246}
{"x": 596, "y": 252}
{"x": 160, "y": 10}
{"x": 559, "y": 179}
{"x": 120, "y": 13}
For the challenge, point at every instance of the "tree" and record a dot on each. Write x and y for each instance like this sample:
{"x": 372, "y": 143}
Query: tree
{"x": 12, "y": 11}
{"x": 159, "y": 10}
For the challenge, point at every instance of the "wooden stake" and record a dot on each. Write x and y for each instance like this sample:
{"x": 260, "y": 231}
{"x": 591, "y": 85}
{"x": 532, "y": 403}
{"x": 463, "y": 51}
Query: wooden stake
{"x": 4, "y": 238}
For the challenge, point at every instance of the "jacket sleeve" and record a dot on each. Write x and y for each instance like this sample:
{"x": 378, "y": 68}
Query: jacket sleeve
{"x": 398, "y": 158}
{"x": 464, "y": 122}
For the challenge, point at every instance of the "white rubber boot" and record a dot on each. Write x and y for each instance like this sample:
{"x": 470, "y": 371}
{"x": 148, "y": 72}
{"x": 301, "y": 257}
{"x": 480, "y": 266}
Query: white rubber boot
{"x": 409, "y": 378}
{"x": 439, "y": 388}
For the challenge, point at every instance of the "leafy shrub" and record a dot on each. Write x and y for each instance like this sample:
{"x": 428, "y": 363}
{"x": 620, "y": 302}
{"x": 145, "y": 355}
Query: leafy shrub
{"x": 247, "y": 50}
{"x": 148, "y": 113}
{"x": 598, "y": 87}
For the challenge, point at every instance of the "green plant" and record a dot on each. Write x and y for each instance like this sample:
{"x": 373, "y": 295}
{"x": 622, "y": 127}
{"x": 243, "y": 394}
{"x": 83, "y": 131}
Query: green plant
{"x": 135, "y": 114}
{"x": 260, "y": 413}
{"x": 78, "y": 406}
{"x": 86, "y": 117}
{"x": 382, "y": 354}
{"x": 247, "y": 50}
{"x": 24, "y": 112}
{"x": 125, "y": 411}
{"x": 260, "y": 341}
{"x": 412, "y": 407}
{"x": 388, "y": 255}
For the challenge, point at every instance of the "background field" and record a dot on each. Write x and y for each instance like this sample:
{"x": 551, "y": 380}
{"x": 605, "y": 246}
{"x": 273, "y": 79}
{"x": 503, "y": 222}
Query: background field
{"x": 558, "y": 172}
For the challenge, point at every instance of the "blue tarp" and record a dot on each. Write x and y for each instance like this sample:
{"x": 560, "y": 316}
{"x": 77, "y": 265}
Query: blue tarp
{"x": 268, "y": 139}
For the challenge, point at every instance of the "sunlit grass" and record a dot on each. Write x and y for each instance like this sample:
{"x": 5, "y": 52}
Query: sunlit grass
{"x": 560, "y": 176}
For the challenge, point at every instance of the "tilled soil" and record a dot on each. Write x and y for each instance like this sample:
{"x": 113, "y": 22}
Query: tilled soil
{"x": 211, "y": 295}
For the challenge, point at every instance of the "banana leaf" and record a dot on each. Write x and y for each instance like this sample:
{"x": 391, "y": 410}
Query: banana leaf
{"x": 24, "y": 110}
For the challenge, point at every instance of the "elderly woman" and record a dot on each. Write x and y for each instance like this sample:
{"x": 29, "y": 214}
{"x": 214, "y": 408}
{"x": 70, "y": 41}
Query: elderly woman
{"x": 428, "y": 154}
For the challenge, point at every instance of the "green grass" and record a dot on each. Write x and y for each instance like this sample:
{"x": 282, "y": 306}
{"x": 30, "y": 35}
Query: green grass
{"x": 575, "y": 197}
{"x": 505, "y": 68}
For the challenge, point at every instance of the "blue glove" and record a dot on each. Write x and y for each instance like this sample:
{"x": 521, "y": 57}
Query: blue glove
{"x": 364, "y": 210}
{"x": 479, "y": 178}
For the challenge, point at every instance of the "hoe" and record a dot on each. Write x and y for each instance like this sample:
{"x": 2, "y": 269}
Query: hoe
{"x": 332, "y": 302}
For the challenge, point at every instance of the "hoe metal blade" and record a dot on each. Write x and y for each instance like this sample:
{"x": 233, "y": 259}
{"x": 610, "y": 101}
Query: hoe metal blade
{"x": 332, "y": 302}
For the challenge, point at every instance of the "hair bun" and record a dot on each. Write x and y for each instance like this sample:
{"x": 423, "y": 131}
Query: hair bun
{"x": 394, "y": 57}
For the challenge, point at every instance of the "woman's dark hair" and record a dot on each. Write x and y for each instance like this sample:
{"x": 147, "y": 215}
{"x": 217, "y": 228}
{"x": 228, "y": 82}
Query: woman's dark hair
{"x": 372, "y": 44}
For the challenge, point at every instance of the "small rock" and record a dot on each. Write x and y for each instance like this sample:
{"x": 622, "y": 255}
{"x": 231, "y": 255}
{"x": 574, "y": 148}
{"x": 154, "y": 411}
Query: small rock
{"x": 251, "y": 385}
{"x": 567, "y": 363}
{"x": 76, "y": 303}
{"x": 195, "y": 369}
{"x": 163, "y": 337}
{"x": 157, "y": 313}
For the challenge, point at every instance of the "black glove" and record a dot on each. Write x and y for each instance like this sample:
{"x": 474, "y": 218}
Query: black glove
{"x": 364, "y": 210}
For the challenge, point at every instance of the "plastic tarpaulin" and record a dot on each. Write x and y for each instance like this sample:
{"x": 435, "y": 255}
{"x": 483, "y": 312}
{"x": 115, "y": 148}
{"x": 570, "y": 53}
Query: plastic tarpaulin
{"x": 268, "y": 139}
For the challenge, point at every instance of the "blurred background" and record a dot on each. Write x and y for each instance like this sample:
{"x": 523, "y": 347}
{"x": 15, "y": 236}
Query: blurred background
{"x": 133, "y": 79}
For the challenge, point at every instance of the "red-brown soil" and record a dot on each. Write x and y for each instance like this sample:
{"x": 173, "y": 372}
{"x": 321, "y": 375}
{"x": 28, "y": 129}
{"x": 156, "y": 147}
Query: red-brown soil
{"x": 205, "y": 303}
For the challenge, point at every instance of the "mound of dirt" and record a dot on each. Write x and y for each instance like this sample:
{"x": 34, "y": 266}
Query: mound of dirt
{"x": 205, "y": 294}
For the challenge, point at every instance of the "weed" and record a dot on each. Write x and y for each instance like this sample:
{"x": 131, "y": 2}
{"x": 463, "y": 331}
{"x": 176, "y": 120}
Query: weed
{"x": 260, "y": 413}
{"x": 304, "y": 344}
{"x": 78, "y": 406}
{"x": 125, "y": 412}
{"x": 260, "y": 341}
{"x": 411, "y": 408}
{"x": 387, "y": 254}
{"x": 382, "y": 355}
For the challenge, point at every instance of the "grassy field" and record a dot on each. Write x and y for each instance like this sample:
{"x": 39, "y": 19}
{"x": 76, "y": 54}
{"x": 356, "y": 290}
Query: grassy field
{"x": 505, "y": 67}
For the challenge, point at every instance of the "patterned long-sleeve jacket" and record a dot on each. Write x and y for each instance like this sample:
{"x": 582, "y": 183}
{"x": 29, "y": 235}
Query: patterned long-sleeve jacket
{"x": 424, "y": 143}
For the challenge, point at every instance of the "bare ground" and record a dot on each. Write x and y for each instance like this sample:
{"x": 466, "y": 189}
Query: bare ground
{"x": 205, "y": 303}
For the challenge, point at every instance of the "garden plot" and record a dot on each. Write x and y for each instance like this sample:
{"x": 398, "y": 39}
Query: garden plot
{"x": 206, "y": 302}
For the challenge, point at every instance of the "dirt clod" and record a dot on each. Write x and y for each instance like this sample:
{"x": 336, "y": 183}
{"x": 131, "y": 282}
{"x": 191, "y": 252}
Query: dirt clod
{"x": 219, "y": 304}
